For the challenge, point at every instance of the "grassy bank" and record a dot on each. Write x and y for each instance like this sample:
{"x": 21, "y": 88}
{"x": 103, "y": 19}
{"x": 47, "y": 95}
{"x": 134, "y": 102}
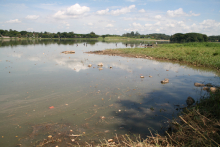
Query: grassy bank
{"x": 199, "y": 54}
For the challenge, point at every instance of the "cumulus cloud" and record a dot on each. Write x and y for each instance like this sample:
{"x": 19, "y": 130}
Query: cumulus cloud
{"x": 136, "y": 24}
{"x": 141, "y": 11}
{"x": 148, "y": 25}
{"x": 158, "y": 16}
{"x": 32, "y": 17}
{"x": 90, "y": 24}
{"x": 209, "y": 23}
{"x": 73, "y": 11}
{"x": 179, "y": 12}
{"x": 122, "y": 10}
{"x": 102, "y": 12}
{"x": 109, "y": 26}
{"x": 13, "y": 21}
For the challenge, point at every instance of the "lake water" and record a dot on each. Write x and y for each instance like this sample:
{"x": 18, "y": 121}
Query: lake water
{"x": 94, "y": 104}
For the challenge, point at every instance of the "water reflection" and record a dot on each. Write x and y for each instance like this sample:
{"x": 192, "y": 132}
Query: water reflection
{"x": 98, "y": 103}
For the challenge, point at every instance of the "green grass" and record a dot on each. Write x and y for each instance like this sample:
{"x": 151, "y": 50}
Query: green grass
{"x": 200, "y": 54}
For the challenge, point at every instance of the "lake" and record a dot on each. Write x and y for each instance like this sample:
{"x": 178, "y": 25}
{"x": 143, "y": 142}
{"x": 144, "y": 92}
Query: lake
{"x": 45, "y": 92}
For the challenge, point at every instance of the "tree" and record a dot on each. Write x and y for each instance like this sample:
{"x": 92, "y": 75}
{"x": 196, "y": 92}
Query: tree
{"x": 103, "y": 36}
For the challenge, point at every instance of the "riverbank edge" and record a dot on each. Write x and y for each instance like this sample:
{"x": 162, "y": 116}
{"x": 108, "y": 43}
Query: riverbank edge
{"x": 119, "y": 52}
{"x": 196, "y": 125}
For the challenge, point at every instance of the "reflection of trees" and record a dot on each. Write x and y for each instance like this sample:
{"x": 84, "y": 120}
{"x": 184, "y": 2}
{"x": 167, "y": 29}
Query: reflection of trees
{"x": 45, "y": 42}
{"x": 153, "y": 111}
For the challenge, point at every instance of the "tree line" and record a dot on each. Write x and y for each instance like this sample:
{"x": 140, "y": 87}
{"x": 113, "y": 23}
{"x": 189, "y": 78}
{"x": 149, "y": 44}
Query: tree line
{"x": 14, "y": 33}
{"x": 189, "y": 37}
{"x": 149, "y": 36}
{"x": 178, "y": 37}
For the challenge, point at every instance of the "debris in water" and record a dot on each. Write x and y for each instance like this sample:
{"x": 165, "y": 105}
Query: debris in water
{"x": 198, "y": 84}
{"x": 100, "y": 64}
{"x": 141, "y": 76}
{"x": 165, "y": 81}
{"x": 68, "y": 52}
{"x": 89, "y": 65}
{"x": 51, "y": 107}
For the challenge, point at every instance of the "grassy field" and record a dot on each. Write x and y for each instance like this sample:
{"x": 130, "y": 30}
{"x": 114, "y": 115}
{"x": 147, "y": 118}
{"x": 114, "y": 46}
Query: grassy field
{"x": 199, "y": 54}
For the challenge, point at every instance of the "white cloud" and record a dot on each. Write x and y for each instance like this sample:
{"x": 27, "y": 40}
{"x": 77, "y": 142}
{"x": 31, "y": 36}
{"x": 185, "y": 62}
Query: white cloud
{"x": 109, "y": 26}
{"x": 102, "y": 12}
{"x": 122, "y": 10}
{"x": 158, "y": 16}
{"x": 148, "y": 25}
{"x": 32, "y": 17}
{"x": 179, "y": 12}
{"x": 136, "y": 24}
{"x": 72, "y": 12}
{"x": 209, "y": 23}
{"x": 29, "y": 29}
{"x": 131, "y": 0}
{"x": 157, "y": 23}
{"x": 13, "y": 21}
{"x": 90, "y": 24}
{"x": 141, "y": 11}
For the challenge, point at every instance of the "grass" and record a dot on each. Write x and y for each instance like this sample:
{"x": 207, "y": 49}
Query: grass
{"x": 200, "y": 54}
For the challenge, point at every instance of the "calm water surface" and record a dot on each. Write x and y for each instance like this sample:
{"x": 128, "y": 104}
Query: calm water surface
{"x": 93, "y": 103}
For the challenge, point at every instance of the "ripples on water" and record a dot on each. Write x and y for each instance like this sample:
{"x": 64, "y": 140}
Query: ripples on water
{"x": 94, "y": 103}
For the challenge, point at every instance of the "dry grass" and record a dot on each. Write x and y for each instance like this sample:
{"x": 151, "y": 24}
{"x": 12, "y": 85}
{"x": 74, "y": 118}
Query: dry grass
{"x": 198, "y": 126}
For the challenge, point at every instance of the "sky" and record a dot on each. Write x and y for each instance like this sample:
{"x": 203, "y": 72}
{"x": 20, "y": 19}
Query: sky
{"x": 112, "y": 16}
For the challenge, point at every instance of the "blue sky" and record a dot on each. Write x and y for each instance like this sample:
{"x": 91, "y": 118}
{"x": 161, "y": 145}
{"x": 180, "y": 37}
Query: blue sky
{"x": 112, "y": 16}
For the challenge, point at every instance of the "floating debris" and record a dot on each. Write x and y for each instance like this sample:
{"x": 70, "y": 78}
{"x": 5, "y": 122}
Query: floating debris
{"x": 89, "y": 65}
{"x": 150, "y": 76}
{"x": 100, "y": 64}
{"x": 68, "y": 52}
{"x": 74, "y": 135}
{"x": 110, "y": 67}
{"x": 141, "y": 76}
{"x": 51, "y": 107}
{"x": 165, "y": 81}
{"x": 100, "y": 68}
{"x": 198, "y": 85}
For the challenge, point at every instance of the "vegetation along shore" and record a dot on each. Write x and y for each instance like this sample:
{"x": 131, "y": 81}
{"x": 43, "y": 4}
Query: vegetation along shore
{"x": 198, "y": 124}
{"x": 199, "y": 54}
